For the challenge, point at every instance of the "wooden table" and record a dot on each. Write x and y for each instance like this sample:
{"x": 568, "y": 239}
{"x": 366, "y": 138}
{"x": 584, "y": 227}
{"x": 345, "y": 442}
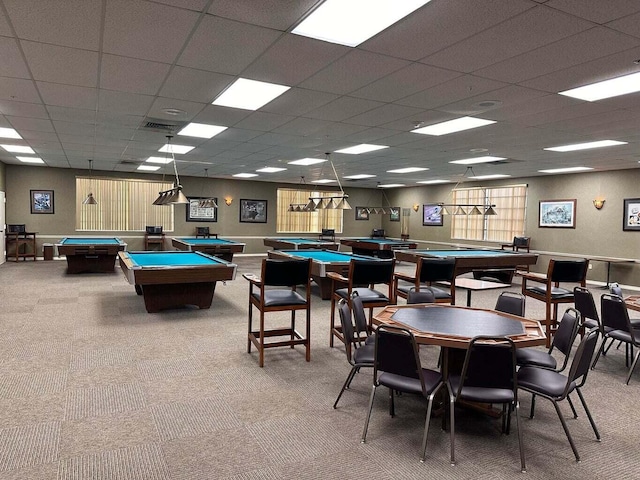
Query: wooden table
{"x": 609, "y": 261}
{"x": 473, "y": 285}
{"x": 24, "y": 244}
{"x": 90, "y": 254}
{"x": 633, "y": 302}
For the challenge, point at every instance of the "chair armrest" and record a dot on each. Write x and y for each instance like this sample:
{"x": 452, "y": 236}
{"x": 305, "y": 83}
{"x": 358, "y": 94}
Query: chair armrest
{"x": 335, "y": 276}
{"x": 404, "y": 276}
{"x": 253, "y": 279}
{"x": 533, "y": 277}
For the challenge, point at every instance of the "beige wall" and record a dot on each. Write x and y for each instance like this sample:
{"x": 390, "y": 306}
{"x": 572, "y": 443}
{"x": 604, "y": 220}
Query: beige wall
{"x": 2, "y": 176}
{"x": 597, "y": 232}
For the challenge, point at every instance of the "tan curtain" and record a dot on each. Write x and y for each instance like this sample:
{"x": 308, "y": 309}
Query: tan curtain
{"x": 123, "y": 205}
{"x": 305, "y": 222}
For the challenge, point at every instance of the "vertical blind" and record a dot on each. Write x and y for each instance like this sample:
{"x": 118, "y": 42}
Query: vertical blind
{"x": 510, "y": 205}
{"x": 305, "y": 222}
{"x": 123, "y": 205}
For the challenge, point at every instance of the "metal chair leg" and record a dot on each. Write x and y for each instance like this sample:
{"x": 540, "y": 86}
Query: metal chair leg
{"x": 566, "y": 430}
{"x": 523, "y": 467}
{"x": 347, "y": 382}
{"x": 586, "y": 409}
{"x": 366, "y": 423}
{"x": 633, "y": 366}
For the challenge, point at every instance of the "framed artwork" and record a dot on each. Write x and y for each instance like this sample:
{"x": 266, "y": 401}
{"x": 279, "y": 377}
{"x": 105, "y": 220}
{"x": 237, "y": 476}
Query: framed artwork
{"x": 42, "y": 201}
{"x": 557, "y": 213}
{"x": 631, "y": 215}
{"x": 394, "y": 216}
{"x": 432, "y": 215}
{"x": 362, "y": 213}
{"x": 253, "y": 211}
{"x": 201, "y": 214}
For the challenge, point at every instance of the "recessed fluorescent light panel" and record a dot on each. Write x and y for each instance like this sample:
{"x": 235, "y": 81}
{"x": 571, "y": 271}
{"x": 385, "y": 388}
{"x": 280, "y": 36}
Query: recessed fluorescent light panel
{"x": 17, "y": 149}
{"x": 352, "y": 22}
{"x": 407, "y": 170}
{"x": 474, "y": 160}
{"x": 452, "y": 126}
{"x": 163, "y": 160}
{"x": 179, "y": 149}
{"x": 323, "y": 180}
{"x": 245, "y": 175}
{"x": 9, "y": 133}
{"x": 249, "y": 94}
{"x": 433, "y": 182}
{"x": 362, "y": 148}
{"x": 566, "y": 170}
{"x": 585, "y": 146}
{"x": 391, "y": 185}
{"x": 30, "y": 159}
{"x": 489, "y": 177}
{"x": 606, "y": 89}
{"x": 201, "y": 130}
{"x": 307, "y": 161}
{"x": 360, "y": 176}
{"x": 148, "y": 168}
{"x": 270, "y": 170}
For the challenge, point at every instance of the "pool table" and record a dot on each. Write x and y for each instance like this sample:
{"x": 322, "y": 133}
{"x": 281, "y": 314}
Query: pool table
{"x": 299, "y": 244}
{"x": 498, "y": 264}
{"x": 379, "y": 247}
{"x": 323, "y": 261}
{"x": 95, "y": 255}
{"x": 175, "y": 279}
{"x": 218, "y": 247}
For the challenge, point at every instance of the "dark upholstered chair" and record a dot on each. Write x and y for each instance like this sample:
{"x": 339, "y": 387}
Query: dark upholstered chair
{"x": 378, "y": 233}
{"x": 556, "y": 387}
{"x": 19, "y": 243}
{"x": 397, "y": 367}
{"x": 328, "y": 234}
{"x": 420, "y": 296}
{"x": 511, "y": 302}
{"x": 488, "y": 376}
{"x": 276, "y": 291}
{"x": 547, "y": 289}
{"x": 562, "y": 342}
{"x": 363, "y": 276}
{"x": 358, "y": 356}
{"x": 428, "y": 272}
{"x": 203, "y": 232}
{"x": 617, "y": 327}
{"x": 519, "y": 243}
{"x": 364, "y": 330}
{"x": 153, "y": 235}
{"x": 616, "y": 290}
{"x": 583, "y": 300}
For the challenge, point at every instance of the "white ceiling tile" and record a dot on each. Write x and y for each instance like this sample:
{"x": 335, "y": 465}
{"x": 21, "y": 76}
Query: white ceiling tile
{"x": 215, "y": 115}
{"x": 67, "y": 95}
{"x": 161, "y": 104}
{"x": 343, "y": 107}
{"x": 298, "y": 101}
{"x": 132, "y": 75}
{"x": 72, "y": 23}
{"x": 596, "y": 10}
{"x": 129, "y": 103}
{"x": 353, "y": 71}
{"x": 203, "y": 86}
{"x": 18, "y": 90}
{"x": 629, "y": 25}
{"x": 276, "y": 14}
{"x": 134, "y": 28}
{"x": 503, "y": 97}
{"x": 221, "y": 45}
{"x": 56, "y": 64}
{"x": 35, "y": 124}
{"x": 74, "y": 128}
{"x": 77, "y": 115}
{"x": 196, "y": 5}
{"x": 22, "y": 109}
{"x": 263, "y": 121}
{"x": 13, "y": 64}
{"x": 5, "y": 29}
{"x": 39, "y": 136}
{"x": 302, "y": 126}
{"x": 384, "y": 114}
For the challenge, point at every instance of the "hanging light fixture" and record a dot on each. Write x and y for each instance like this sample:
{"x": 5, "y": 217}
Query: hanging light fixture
{"x": 90, "y": 200}
{"x": 472, "y": 208}
{"x": 207, "y": 202}
{"x": 383, "y": 210}
{"x": 333, "y": 202}
{"x": 173, "y": 195}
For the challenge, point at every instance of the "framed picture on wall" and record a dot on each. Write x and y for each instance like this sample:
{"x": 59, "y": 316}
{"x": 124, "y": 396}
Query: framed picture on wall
{"x": 253, "y": 211}
{"x": 362, "y": 213}
{"x": 195, "y": 213}
{"x": 432, "y": 215}
{"x": 631, "y": 215}
{"x": 42, "y": 201}
{"x": 394, "y": 216}
{"x": 557, "y": 213}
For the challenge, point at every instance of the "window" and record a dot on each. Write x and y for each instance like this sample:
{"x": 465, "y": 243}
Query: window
{"x": 510, "y": 205}
{"x": 123, "y": 205}
{"x": 305, "y": 222}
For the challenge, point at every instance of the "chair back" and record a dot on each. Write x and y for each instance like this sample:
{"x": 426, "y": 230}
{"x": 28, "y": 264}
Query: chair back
{"x": 202, "y": 230}
{"x": 490, "y": 363}
{"x": 511, "y": 302}
{"x": 17, "y": 228}
{"x": 370, "y": 272}
{"x": 616, "y": 290}
{"x": 154, "y": 230}
{"x": 521, "y": 242}
{"x": 437, "y": 269}
{"x": 378, "y": 233}
{"x": 396, "y": 353}
{"x": 359, "y": 315}
{"x": 585, "y": 304}
{"x": 614, "y": 313}
{"x": 574, "y": 271}
{"x": 285, "y": 273}
{"x": 421, "y": 296}
{"x": 328, "y": 233}
{"x": 566, "y": 332}
{"x": 581, "y": 364}
{"x": 347, "y": 327}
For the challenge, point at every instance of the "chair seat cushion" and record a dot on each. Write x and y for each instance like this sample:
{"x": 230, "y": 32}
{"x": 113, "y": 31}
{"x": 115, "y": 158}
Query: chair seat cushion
{"x": 367, "y": 295}
{"x": 439, "y": 293}
{"x": 481, "y": 394}
{"x": 621, "y": 335}
{"x": 556, "y": 292}
{"x": 411, "y": 385}
{"x": 276, "y": 298}
{"x": 534, "y": 357}
{"x": 364, "y": 355}
{"x": 543, "y": 381}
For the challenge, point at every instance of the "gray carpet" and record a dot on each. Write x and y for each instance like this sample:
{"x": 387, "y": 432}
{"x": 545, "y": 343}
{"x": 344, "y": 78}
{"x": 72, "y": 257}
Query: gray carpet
{"x": 93, "y": 387}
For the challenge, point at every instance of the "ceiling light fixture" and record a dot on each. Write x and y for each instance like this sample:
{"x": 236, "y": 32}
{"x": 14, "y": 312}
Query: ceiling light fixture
{"x": 9, "y": 133}
{"x": 585, "y": 146}
{"x": 362, "y": 148}
{"x": 566, "y": 170}
{"x": 18, "y": 149}
{"x": 408, "y": 170}
{"x": 90, "y": 200}
{"x": 486, "y": 208}
{"x": 207, "y": 202}
{"x": 606, "y": 89}
{"x": 30, "y": 159}
{"x": 201, "y": 130}
{"x": 331, "y": 202}
{"x": 475, "y": 160}
{"x": 173, "y": 195}
{"x": 249, "y": 94}
{"x": 452, "y": 126}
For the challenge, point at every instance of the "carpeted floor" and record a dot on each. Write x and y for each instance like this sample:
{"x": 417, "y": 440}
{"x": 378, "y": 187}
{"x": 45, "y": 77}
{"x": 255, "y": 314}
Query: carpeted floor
{"x": 93, "y": 387}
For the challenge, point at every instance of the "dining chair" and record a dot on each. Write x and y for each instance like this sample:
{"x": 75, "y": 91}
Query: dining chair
{"x": 276, "y": 291}
{"x": 555, "y": 386}
{"x": 547, "y": 288}
{"x": 363, "y": 276}
{"x": 327, "y": 234}
{"x": 511, "y": 302}
{"x": 519, "y": 244}
{"x": 562, "y": 342}
{"x": 429, "y": 271}
{"x": 616, "y": 290}
{"x": 203, "y": 232}
{"x": 488, "y": 376}
{"x": 358, "y": 356}
{"x": 420, "y": 296}
{"x": 364, "y": 331}
{"x": 397, "y": 367}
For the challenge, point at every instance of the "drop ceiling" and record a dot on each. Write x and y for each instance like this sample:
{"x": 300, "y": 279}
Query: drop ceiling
{"x": 80, "y": 79}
